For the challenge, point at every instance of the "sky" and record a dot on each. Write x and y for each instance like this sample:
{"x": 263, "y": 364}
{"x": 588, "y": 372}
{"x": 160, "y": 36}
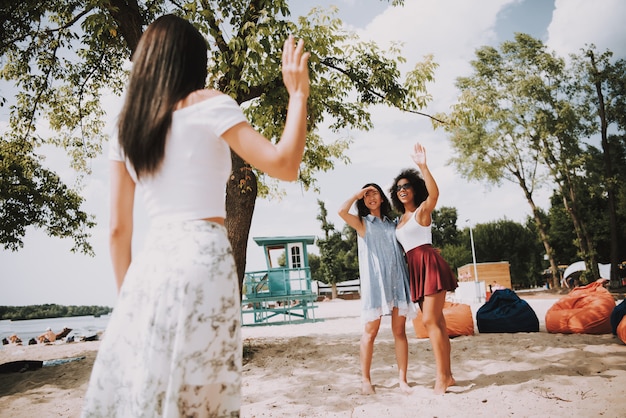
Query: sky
{"x": 45, "y": 271}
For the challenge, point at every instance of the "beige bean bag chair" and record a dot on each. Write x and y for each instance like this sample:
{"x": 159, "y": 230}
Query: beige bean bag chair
{"x": 459, "y": 320}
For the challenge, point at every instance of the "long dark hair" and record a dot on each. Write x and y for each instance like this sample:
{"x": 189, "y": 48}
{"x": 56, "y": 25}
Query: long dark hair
{"x": 385, "y": 207}
{"x": 418, "y": 185}
{"x": 169, "y": 63}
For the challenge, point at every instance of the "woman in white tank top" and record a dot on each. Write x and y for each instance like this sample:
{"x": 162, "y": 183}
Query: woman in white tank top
{"x": 430, "y": 277}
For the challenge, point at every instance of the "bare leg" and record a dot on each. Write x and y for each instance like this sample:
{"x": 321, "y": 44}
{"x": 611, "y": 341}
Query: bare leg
{"x": 366, "y": 352}
{"x": 398, "y": 326}
{"x": 435, "y": 323}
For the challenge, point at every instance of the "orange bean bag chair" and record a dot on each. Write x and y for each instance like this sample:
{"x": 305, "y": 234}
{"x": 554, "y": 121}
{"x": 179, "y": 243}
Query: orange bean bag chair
{"x": 621, "y": 330}
{"x": 585, "y": 310}
{"x": 459, "y": 320}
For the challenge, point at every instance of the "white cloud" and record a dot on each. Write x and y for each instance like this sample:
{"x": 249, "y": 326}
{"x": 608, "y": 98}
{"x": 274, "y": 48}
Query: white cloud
{"x": 577, "y": 23}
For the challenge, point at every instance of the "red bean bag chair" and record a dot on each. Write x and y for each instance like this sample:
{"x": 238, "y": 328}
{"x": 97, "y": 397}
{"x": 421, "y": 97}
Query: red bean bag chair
{"x": 459, "y": 320}
{"x": 585, "y": 310}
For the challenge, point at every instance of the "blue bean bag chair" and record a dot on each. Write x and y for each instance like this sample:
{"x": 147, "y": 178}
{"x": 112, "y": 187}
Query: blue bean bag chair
{"x": 616, "y": 316}
{"x": 506, "y": 312}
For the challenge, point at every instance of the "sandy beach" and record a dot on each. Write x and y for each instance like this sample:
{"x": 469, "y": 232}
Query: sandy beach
{"x": 312, "y": 370}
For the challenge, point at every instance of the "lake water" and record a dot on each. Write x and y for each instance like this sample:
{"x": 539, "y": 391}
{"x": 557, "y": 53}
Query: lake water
{"x": 82, "y": 326}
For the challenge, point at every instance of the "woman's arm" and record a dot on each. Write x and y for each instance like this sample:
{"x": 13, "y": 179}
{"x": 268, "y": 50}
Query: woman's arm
{"x": 281, "y": 160}
{"x": 423, "y": 212}
{"x": 353, "y": 220}
{"x": 121, "y": 220}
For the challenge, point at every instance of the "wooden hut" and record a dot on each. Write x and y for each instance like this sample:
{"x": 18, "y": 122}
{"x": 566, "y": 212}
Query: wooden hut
{"x": 496, "y": 273}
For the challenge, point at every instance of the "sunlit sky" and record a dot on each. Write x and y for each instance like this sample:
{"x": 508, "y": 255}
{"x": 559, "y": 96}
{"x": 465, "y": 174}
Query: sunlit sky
{"x": 45, "y": 271}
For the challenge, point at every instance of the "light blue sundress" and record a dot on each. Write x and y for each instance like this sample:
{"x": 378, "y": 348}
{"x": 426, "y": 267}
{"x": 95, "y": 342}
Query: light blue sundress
{"x": 383, "y": 271}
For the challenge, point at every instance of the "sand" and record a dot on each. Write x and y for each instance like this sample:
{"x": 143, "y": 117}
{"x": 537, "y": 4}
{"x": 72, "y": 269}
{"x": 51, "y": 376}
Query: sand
{"x": 312, "y": 370}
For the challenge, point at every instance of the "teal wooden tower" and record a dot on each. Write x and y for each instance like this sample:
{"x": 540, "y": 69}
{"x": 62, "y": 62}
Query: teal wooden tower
{"x": 282, "y": 293}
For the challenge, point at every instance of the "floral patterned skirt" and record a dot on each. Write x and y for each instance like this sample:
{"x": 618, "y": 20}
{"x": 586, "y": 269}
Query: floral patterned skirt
{"x": 172, "y": 347}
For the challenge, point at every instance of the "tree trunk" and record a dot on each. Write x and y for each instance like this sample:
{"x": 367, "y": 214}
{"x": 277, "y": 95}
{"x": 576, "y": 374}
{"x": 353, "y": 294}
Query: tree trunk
{"x": 584, "y": 240}
{"x": 333, "y": 288}
{"x": 129, "y": 21}
{"x": 241, "y": 192}
{"x": 555, "y": 281}
{"x": 555, "y": 278}
{"x": 566, "y": 186}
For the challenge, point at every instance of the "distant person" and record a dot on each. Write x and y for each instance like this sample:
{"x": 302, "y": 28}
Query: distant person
{"x": 384, "y": 279}
{"x": 47, "y": 337}
{"x": 496, "y": 286}
{"x": 172, "y": 347}
{"x": 14, "y": 339}
{"x": 430, "y": 277}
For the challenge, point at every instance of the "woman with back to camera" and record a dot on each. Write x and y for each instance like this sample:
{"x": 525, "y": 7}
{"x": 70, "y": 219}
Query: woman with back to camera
{"x": 173, "y": 346}
{"x": 430, "y": 276}
{"x": 384, "y": 279}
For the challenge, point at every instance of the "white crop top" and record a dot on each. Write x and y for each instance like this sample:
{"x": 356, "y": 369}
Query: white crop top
{"x": 412, "y": 234}
{"x": 191, "y": 181}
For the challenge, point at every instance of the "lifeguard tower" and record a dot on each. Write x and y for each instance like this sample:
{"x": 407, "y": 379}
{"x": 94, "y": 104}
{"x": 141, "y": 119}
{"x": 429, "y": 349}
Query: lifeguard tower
{"x": 282, "y": 293}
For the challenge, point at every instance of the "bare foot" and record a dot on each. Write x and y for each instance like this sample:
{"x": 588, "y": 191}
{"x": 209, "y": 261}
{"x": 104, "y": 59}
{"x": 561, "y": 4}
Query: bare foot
{"x": 442, "y": 385}
{"x": 405, "y": 388}
{"x": 367, "y": 388}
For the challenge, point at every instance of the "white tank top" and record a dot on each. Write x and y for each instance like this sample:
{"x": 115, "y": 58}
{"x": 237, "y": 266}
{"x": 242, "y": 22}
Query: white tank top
{"x": 191, "y": 181}
{"x": 412, "y": 235}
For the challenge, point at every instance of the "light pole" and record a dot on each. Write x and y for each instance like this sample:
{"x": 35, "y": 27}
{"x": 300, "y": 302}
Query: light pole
{"x": 478, "y": 292}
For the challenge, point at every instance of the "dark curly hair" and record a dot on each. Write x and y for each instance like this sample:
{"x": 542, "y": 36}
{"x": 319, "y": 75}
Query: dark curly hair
{"x": 418, "y": 185}
{"x": 385, "y": 207}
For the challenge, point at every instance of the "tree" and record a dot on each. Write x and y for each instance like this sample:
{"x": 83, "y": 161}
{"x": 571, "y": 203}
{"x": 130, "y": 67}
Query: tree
{"x": 455, "y": 249}
{"x": 30, "y": 195}
{"x": 502, "y": 240}
{"x": 506, "y": 240}
{"x": 516, "y": 121}
{"x": 600, "y": 84}
{"x": 338, "y": 256}
{"x": 593, "y": 204}
{"x": 63, "y": 55}
{"x": 444, "y": 227}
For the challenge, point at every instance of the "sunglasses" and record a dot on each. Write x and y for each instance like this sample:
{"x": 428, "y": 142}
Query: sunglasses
{"x": 405, "y": 186}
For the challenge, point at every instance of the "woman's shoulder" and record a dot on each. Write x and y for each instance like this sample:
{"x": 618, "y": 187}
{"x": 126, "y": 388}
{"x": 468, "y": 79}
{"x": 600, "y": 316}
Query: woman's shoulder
{"x": 199, "y": 96}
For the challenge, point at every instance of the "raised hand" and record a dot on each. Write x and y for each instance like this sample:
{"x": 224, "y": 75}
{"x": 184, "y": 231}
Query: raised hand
{"x": 419, "y": 154}
{"x": 361, "y": 194}
{"x": 295, "y": 67}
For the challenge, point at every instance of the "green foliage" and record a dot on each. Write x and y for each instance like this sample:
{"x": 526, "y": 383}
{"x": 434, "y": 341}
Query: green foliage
{"x": 50, "y": 311}
{"x": 444, "y": 228}
{"x": 506, "y": 240}
{"x": 526, "y": 117}
{"x": 62, "y": 56}
{"x": 457, "y": 255}
{"x": 338, "y": 260}
{"x": 496, "y": 241}
{"x": 30, "y": 195}
{"x": 314, "y": 265}
{"x": 593, "y": 205}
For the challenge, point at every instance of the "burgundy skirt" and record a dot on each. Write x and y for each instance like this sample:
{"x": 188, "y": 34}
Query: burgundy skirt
{"x": 429, "y": 273}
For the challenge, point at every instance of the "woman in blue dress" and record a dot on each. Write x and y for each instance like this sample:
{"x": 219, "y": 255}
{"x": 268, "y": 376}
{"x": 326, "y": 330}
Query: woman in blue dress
{"x": 384, "y": 278}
